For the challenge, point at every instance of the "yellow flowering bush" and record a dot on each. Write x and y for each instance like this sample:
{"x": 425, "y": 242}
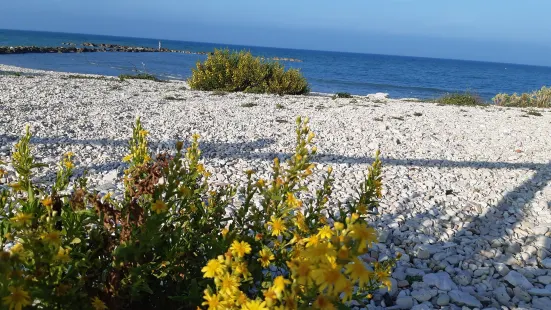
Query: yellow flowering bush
{"x": 240, "y": 71}
{"x": 287, "y": 254}
{"x": 175, "y": 241}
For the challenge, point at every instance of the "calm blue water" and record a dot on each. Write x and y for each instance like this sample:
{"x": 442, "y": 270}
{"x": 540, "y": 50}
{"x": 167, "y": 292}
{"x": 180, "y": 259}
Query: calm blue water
{"x": 327, "y": 72}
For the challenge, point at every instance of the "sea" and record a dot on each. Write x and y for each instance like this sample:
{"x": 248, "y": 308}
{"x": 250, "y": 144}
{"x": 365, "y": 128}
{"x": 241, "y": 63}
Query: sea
{"x": 327, "y": 72}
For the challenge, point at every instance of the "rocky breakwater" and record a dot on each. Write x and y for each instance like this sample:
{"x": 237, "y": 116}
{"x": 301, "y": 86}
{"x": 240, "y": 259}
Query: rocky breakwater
{"x": 89, "y": 47}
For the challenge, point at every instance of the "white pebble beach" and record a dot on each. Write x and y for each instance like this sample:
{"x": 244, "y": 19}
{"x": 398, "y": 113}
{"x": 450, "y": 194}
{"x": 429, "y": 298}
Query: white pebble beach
{"x": 467, "y": 193}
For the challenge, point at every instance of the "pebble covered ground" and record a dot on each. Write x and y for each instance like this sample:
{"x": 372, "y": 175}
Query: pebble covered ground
{"x": 467, "y": 192}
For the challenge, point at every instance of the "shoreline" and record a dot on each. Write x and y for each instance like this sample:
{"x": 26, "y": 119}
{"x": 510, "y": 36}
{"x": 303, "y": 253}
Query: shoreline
{"x": 465, "y": 189}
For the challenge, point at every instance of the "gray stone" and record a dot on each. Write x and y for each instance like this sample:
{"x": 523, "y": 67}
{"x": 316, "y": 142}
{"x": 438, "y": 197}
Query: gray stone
{"x": 463, "y": 278}
{"x": 443, "y": 299}
{"x": 543, "y": 242}
{"x": 540, "y": 292}
{"x": 513, "y": 248}
{"x": 441, "y": 280}
{"x": 518, "y": 280}
{"x": 413, "y": 272}
{"x": 421, "y": 295}
{"x": 501, "y": 268}
{"x": 544, "y": 279}
{"x": 502, "y": 296}
{"x": 463, "y": 298}
{"x": 404, "y": 302}
{"x": 423, "y": 254}
{"x": 522, "y": 294}
{"x": 423, "y": 306}
{"x": 546, "y": 263}
{"x": 542, "y": 303}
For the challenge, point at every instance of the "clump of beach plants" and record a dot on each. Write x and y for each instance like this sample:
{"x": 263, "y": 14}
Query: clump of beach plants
{"x": 536, "y": 99}
{"x": 139, "y": 76}
{"x": 231, "y": 71}
{"x": 343, "y": 95}
{"x": 463, "y": 99}
{"x": 171, "y": 243}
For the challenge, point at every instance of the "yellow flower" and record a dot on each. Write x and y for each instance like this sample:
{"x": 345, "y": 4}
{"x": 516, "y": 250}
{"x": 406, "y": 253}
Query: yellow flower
{"x": 16, "y": 187}
{"x": 22, "y": 219}
{"x": 260, "y": 183}
{"x": 225, "y": 231}
{"x": 270, "y": 297}
{"x": 63, "y": 255}
{"x": 364, "y": 234}
{"x": 51, "y": 238}
{"x": 338, "y": 226}
{"x": 358, "y": 272}
{"x": 17, "y": 299}
{"x": 69, "y": 154}
{"x": 8, "y": 236}
{"x": 255, "y": 305}
{"x": 17, "y": 249}
{"x": 97, "y": 304}
{"x": 47, "y": 202}
{"x": 228, "y": 284}
{"x": 212, "y": 301}
{"x": 240, "y": 248}
{"x": 278, "y": 226}
{"x": 159, "y": 207}
{"x": 325, "y": 232}
{"x": 301, "y": 272}
{"x": 144, "y": 133}
{"x": 279, "y": 285}
{"x": 127, "y": 158}
{"x": 241, "y": 298}
{"x": 323, "y": 303}
{"x": 347, "y": 291}
{"x": 362, "y": 209}
{"x": 292, "y": 201}
{"x": 68, "y": 164}
{"x": 240, "y": 268}
{"x": 213, "y": 268}
{"x": 329, "y": 278}
{"x": 343, "y": 253}
{"x": 378, "y": 188}
{"x": 265, "y": 257}
{"x": 300, "y": 221}
{"x": 383, "y": 275}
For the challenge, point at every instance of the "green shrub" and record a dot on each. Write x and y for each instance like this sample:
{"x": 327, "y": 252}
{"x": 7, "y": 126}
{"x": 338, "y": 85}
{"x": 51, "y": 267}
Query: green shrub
{"x": 240, "y": 71}
{"x": 343, "y": 95}
{"x": 467, "y": 99}
{"x": 139, "y": 76}
{"x": 537, "y": 99}
{"x": 171, "y": 243}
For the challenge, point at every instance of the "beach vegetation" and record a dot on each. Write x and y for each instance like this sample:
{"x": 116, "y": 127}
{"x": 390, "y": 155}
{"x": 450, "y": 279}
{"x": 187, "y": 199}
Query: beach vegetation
{"x": 219, "y": 93}
{"x": 174, "y": 98}
{"x": 139, "y": 76}
{"x": 343, "y": 95}
{"x": 533, "y": 112}
{"x": 279, "y": 106}
{"x": 248, "y": 105}
{"x": 230, "y": 71}
{"x": 174, "y": 240}
{"x": 461, "y": 99}
{"x": 84, "y": 77}
{"x": 537, "y": 99}
{"x": 10, "y": 73}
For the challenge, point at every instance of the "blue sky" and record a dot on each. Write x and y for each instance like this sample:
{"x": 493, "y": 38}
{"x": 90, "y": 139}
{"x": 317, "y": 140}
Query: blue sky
{"x": 493, "y": 30}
